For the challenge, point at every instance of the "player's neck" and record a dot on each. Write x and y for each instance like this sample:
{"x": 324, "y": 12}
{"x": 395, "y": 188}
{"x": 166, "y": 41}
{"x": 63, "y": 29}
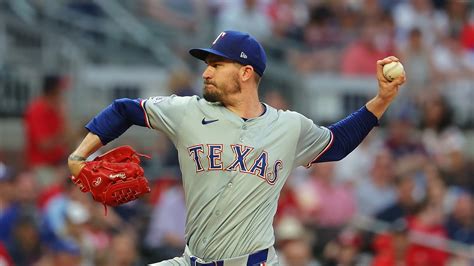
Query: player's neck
{"x": 250, "y": 107}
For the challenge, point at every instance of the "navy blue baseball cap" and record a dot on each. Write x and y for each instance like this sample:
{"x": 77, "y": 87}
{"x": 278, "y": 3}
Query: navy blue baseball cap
{"x": 237, "y": 46}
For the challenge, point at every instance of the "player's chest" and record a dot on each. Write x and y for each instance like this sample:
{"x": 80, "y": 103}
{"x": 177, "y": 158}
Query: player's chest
{"x": 216, "y": 130}
{"x": 235, "y": 149}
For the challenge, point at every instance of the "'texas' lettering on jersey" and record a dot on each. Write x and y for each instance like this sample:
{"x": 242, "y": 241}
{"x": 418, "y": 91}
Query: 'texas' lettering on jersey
{"x": 259, "y": 167}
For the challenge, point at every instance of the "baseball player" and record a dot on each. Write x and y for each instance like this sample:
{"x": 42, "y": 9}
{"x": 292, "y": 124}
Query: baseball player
{"x": 235, "y": 152}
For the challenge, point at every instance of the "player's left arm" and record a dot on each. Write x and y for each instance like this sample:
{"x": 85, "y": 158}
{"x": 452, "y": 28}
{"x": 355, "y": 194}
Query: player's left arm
{"x": 116, "y": 118}
{"x": 348, "y": 133}
{"x": 109, "y": 124}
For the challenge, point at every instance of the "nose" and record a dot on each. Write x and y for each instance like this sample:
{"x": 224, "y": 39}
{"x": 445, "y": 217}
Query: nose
{"x": 207, "y": 73}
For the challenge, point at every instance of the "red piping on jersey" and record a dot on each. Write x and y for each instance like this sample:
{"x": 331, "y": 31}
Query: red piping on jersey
{"x": 331, "y": 140}
{"x": 142, "y": 104}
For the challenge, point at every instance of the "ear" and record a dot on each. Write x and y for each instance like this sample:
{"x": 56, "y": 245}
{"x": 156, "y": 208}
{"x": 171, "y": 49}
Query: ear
{"x": 246, "y": 73}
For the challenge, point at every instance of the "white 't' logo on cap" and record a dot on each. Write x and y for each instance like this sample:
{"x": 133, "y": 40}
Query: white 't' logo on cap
{"x": 243, "y": 55}
{"x": 218, "y": 37}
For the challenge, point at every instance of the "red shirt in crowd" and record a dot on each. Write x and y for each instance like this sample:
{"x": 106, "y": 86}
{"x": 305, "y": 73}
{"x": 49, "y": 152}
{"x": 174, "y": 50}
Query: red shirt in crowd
{"x": 5, "y": 259}
{"x": 467, "y": 36}
{"x": 44, "y": 123}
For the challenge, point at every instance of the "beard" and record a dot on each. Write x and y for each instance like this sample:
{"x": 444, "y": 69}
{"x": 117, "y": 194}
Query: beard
{"x": 212, "y": 96}
{"x": 218, "y": 93}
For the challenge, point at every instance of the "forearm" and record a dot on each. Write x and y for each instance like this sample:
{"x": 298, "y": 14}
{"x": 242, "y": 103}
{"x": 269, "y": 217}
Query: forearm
{"x": 348, "y": 134}
{"x": 90, "y": 144}
{"x": 377, "y": 106}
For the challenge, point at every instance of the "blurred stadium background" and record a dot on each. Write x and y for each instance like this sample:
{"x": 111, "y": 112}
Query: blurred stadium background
{"x": 404, "y": 197}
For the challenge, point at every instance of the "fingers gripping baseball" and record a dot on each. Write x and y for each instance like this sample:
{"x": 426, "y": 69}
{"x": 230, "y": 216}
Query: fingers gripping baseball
{"x": 388, "y": 89}
{"x": 113, "y": 178}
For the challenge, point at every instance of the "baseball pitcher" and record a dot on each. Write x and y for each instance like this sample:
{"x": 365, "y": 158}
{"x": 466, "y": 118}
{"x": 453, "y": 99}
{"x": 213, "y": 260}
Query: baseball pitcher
{"x": 235, "y": 152}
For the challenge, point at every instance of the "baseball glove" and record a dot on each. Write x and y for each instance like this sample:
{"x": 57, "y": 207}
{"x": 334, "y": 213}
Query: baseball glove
{"x": 114, "y": 178}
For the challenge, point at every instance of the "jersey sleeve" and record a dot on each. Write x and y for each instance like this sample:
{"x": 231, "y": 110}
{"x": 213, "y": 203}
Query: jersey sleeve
{"x": 166, "y": 113}
{"x": 313, "y": 141}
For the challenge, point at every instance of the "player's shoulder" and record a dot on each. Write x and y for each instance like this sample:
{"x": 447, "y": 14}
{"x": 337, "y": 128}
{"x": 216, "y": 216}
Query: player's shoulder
{"x": 172, "y": 100}
{"x": 288, "y": 114}
{"x": 289, "y": 118}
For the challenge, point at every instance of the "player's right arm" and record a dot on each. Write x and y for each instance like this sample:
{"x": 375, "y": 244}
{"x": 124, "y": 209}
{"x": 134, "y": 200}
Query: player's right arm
{"x": 387, "y": 91}
{"x": 349, "y": 132}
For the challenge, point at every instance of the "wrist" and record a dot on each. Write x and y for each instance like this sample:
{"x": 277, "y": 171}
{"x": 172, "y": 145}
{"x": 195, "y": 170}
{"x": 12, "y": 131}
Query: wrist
{"x": 75, "y": 157}
{"x": 75, "y": 164}
{"x": 377, "y": 106}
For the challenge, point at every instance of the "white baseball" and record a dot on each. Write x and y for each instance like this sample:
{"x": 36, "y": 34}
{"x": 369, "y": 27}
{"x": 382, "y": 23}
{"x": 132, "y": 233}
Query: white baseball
{"x": 393, "y": 70}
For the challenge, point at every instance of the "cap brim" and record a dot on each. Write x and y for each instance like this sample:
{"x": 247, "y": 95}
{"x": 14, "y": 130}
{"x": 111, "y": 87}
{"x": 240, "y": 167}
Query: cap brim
{"x": 202, "y": 53}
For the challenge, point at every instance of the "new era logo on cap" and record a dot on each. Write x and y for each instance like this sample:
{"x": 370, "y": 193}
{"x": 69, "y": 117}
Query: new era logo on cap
{"x": 237, "y": 46}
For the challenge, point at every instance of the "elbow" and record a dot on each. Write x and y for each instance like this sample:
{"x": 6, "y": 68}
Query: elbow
{"x": 120, "y": 105}
{"x": 331, "y": 157}
{"x": 334, "y": 153}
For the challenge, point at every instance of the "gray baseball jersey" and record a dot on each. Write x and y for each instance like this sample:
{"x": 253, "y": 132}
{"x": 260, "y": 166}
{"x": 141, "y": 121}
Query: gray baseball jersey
{"x": 233, "y": 170}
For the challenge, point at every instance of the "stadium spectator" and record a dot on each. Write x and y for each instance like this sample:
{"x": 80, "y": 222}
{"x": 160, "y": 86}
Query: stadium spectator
{"x": 292, "y": 243}
{"x": 406, "y": 203}
{"x": 321, "y": 43}
{"x": 375, "y": 41}
{"x": 377, "y": 191}
{"x": 276, "y": 99}
{"x": 357, "y": 164}
{"x": 427, "y": 224}
{"x": 326, "y": 206}
{"x": 5, "y": 259}
{"x": 422, "y": 15}
{"x": 452, "y": 62}
{"x": 25, "y": 247}
{"x": 17, "y": 200}
{"x": 467, "y": 36}
{"x": 287, "y": 17}
{"x": 345, "y": 249}
{"x": 123, "y": 250}
{"x": 418, "y": 64}
{"x": 7, "y": 211}
{"x": 441, "y": 137}
{"x": 436, "y": 190}
{"x": 460, "y": 223}
{"x": 324, "y": 202}
{"x": 288, "y": 204}
{"x": 404, "y": 143}
{"x": 390, "y": 247}
{"x": 54, "y": 216}
{"x": 179, "y": 14}
{"x": 247, "y": 17}
{"x": 458, "y": 14}
{"x": 60, "y": 253}
{"x": 455, "y": 68}
{"x": 45, "y": 124}
{"x": 180, "y": 82}
{"x": 165, "y": 235}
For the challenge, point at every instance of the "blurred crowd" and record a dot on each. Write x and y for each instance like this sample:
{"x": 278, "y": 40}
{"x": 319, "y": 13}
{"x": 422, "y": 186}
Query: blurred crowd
{"x": 433, "y": 38}
{"x": 405, "y": 196}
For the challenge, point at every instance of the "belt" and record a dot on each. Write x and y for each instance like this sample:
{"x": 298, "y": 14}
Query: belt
{"x": 256, "y": 258}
